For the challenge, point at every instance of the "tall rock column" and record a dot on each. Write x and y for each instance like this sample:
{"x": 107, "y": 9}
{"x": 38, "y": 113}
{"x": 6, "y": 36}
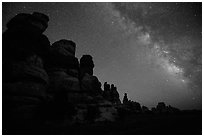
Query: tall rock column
{"x": 125, "y": 99}
{"x": 115, "y": 95}
{"x": 64, "y": 89}
{"x": 24, "y": 77}
{"x": 89, "y": 83}
{"x": 107, "y": 91}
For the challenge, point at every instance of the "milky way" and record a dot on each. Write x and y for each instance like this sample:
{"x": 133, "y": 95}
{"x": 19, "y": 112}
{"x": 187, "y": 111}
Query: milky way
{"x": 169, "y": 42}
{"x": 152, "y": 51}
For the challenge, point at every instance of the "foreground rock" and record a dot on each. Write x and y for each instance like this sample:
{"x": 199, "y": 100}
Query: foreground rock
{"x": 44, "y": 87}
{"x": 24, "y": 78}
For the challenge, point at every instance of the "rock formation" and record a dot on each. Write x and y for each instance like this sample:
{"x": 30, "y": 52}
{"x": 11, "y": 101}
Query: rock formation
{"x": 110, "y": 93}
{"x": 115, "y": 95}
{"x": 63, "y": 67}
{"x": 131, "y": 106}
{"x": 106, "y": 92}
{"x": 24, "y": 78}
{"x": 63, "y": 71}
{"x": 125, "y": 99}
{"x": 45, "y": 87}
{"x": 89, "y": 83}
{"x": 162, "y": 108}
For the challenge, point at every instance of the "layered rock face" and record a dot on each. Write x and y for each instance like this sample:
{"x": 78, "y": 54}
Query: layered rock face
{"x": 64, "y": 89}
{"x": 74, "y": 90}
{"x": 24, "y": 77}
{"x": 45, "y": 87}
{"x": 63, "y": 67}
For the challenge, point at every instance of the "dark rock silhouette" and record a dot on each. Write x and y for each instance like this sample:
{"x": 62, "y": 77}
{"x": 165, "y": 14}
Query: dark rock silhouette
{"x": 129, "y": 106}
{"x": 24, "y": 37}
{"x": 86, "y": 65}
{"x": 161, "y": 107}
{"x": 89, "y": 83}
{"x": 125, "y": 99}
{"x": 115, "y": 98}
{"x": 106, "y": 87}
{"x": 145, "y": 109}
{"x": 77, "y": 85}
{"x": 24, "y": 78}
{"x": 106, "y": 92}
{"x": 63, "y": 67}
{"x": 110, "y": 93}
{"x": 45, "y": 90}
{"x": 63, "y": 71}
{"x": 34, "y": 22}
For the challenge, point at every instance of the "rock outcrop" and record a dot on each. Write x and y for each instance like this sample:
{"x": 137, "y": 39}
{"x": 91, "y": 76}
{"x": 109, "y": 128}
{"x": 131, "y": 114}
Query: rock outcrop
{"x": 24, "y": 78}
{"x": 130, "y": 106}
{"x": 64, "y": 87}
{"x": 45, "y": 87}
{"x": 115, "y": 98}
{"x": 110, "y": 93}
{"x": 91, "y": 85}
{"x": 162, "y": 108}
{"x": 125, "y": 99}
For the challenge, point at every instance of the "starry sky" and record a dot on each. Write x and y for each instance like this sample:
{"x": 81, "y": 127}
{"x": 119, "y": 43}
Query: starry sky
{"x": 152, "y": 51}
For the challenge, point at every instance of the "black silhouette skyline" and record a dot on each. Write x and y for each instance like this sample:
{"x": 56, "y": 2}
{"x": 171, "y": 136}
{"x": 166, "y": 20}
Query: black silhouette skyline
{"x": 101, "y": 69}
{"x": 152, "y": 51}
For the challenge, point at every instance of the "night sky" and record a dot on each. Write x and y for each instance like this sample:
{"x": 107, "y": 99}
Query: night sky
{"x": 152, "y": 51}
